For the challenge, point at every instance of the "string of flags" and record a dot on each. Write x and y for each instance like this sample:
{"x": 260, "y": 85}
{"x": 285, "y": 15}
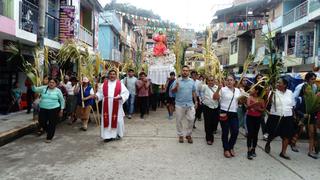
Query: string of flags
{"x": 151, "y": 22}
{"x": 254, "y": 23}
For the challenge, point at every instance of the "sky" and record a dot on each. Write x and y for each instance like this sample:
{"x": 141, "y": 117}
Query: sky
{"x": 195, "y": 14}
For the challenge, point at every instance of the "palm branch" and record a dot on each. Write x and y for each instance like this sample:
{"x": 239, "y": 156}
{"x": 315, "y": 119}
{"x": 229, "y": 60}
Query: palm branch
{"x": 31, "y": 70}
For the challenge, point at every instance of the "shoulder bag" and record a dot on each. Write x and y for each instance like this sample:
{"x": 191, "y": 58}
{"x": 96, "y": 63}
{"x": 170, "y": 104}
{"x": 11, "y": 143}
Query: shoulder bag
{"x": 223, "y": 116}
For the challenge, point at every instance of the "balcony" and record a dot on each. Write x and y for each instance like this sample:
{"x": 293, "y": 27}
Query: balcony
{"x": 85, "y": 36}
{"x": 296, "y": 13}
{"x": 28, "y": 19}
{"x": 52, "y": 27}
{"x": 274, "y": 25}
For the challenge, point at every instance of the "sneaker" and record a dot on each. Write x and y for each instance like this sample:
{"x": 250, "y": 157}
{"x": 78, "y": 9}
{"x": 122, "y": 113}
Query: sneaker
{"x": 189, "y": 138}
{"x": 180, "y": 139}
{"x": 265, "y": 137}
{"x": 249, "y": 155}
{"x": 129, "y": 116}
{"x": 253, "y": 153}
{"x": 48, "y": 141}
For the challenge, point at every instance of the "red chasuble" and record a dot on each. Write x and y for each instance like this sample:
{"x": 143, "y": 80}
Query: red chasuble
{"x": 115, "y": 108}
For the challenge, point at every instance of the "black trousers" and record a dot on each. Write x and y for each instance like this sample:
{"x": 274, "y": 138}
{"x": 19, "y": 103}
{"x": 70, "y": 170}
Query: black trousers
{"x": 253, "y": 125}
{"x": 30, "y": 95}
{"x": 144, "y": 105}
{"x": 199, "y": 110}
{"x": 263, "y": 125}
{"x": 154, "y": 99}
{"x": 48, "y": 119}
{"x": 211, "y": 120}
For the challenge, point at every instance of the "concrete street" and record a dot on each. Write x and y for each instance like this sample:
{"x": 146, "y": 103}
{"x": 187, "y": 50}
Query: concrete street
{"x": 149, "y": 150}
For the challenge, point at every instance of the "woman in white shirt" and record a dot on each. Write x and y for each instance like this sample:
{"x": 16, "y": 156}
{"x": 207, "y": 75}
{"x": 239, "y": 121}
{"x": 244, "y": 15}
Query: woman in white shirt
{"x": 210, "y": 109}
{"x": 71, "y": 99}
{"x": 280, "y": 121}
{"x": 229, "y": 122}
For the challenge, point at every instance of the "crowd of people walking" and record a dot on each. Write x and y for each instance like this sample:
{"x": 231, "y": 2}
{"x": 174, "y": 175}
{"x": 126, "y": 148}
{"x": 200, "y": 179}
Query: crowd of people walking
{"x": 279, "y": 112}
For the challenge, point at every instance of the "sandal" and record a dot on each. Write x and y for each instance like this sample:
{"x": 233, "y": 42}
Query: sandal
{"x": 233, "y": 154}
{"x": 227, "y": 154}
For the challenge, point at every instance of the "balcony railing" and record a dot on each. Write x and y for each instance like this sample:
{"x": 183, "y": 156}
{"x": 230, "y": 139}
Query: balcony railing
{"x": 85, "y": 36}
{"x": 52, "y": 27}
{"x": 296, "y": 13}
{"x": 28, "y": 19}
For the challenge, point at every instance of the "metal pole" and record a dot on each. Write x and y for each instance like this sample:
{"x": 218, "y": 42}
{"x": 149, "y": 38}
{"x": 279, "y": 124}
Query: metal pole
{"x": 41, "y": 33}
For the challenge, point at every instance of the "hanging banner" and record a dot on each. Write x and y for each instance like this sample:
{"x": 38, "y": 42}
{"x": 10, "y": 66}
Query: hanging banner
{"x": 66, "y": 23}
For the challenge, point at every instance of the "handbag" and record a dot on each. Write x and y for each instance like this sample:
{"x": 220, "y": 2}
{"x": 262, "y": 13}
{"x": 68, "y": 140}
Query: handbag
{"x": 223, "y": 116}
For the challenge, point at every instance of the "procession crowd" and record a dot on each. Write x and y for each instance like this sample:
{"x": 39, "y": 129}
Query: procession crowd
{"x": 232, "y": 104}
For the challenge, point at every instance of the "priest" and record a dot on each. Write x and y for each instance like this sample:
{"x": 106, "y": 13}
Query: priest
{"x": 113, "y": 94}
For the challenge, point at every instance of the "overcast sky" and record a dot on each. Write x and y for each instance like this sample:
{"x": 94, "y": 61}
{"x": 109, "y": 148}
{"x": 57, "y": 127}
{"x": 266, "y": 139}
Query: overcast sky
{"x": 186, "y": 13}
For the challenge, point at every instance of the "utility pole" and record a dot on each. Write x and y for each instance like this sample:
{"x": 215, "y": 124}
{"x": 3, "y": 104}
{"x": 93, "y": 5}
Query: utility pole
{"x": 41, "y": 32}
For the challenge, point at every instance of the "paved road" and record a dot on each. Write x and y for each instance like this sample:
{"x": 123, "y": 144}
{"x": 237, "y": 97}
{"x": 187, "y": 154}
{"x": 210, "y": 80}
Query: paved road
{"x": 149, "y": 150}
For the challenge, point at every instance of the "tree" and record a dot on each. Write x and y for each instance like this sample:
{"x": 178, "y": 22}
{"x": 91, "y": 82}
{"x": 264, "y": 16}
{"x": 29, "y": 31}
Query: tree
{"x": 130, "y": 9}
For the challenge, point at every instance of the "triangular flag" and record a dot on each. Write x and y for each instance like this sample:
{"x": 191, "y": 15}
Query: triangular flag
{"x": 234, "y": 24}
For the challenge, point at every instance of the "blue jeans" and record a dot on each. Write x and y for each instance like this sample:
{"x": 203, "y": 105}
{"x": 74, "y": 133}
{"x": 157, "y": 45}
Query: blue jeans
{"x": 130, "y": 104}
{"x": 231, "y": 125}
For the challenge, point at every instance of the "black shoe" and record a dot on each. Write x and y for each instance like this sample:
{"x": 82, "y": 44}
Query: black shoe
{"x": 117, "y": 138}
{"x": 83, "y": 129}
{"x": 294, "y": 148}
{"x": 253, "y": 153}
{"x": 194, "y": 127}
{"x": 312, "y": 155}
{"x": 107, "y": 140}
{"x": 267, "y": 148}
{"x": 284, "y": 156}
{"x": 249, "y": 155}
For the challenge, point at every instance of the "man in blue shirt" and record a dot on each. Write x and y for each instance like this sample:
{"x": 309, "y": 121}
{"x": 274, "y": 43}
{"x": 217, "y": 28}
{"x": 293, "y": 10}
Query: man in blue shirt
{"x": 185, "y": 91}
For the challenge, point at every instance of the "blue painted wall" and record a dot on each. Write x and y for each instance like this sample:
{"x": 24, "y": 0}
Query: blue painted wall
{"x": 109, "y": 29}
{"x": 105, "y": 41}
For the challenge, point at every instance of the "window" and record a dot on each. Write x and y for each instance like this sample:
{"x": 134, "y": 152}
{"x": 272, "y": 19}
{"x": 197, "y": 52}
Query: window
{"x": 6, "y": 8}
{"x": 115, "y": 42}
{"x": 52, "y": 19}
{"x": 234, "y": 47}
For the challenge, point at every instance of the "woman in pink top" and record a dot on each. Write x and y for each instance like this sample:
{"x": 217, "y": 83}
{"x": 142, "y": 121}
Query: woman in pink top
{"x": 255, "y": 108}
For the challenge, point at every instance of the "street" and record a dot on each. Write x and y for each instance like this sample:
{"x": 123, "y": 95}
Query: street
{"x": 149, "y": 150}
